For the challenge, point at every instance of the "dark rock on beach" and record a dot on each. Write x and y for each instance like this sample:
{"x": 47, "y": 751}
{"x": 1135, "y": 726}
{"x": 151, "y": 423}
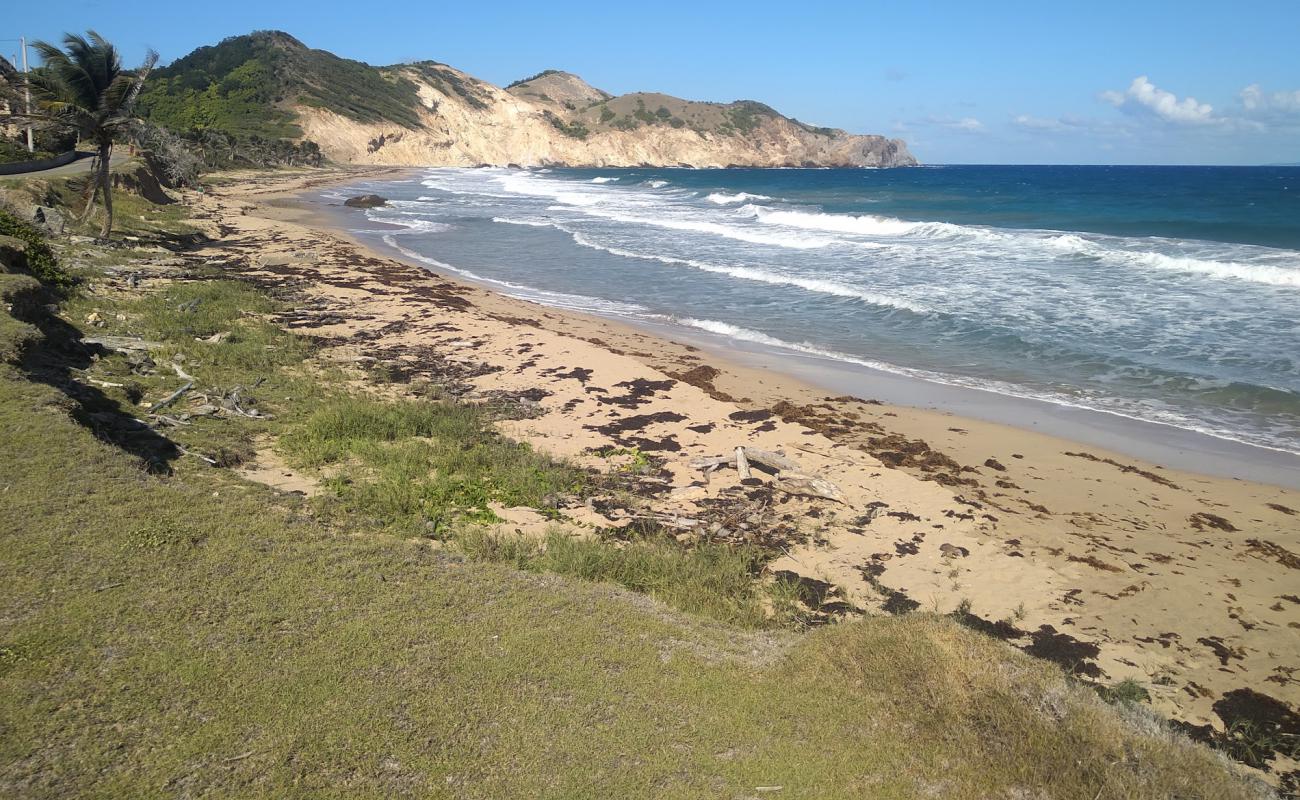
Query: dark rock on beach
{"x": 366, "y": 201}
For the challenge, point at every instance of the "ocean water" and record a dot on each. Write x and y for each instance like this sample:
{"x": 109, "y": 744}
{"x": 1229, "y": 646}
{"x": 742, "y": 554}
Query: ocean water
{"x": 1164, "y": 294}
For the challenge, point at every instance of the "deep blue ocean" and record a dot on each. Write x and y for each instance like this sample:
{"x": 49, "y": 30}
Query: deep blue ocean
{"x": 1167, "y": 294}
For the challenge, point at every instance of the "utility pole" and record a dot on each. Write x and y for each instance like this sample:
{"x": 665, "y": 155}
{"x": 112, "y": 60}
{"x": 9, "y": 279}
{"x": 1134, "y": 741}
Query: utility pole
{"x": 27, "y": 93}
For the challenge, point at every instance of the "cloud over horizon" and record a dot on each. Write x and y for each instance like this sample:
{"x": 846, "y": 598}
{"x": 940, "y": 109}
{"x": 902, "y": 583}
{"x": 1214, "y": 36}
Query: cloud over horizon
{"x": 1144, "y": 97}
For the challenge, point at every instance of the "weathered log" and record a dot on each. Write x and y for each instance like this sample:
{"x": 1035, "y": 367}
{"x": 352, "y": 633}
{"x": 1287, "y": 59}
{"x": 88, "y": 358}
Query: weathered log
{"x": 742, "y": 464}
{"x": 711, "y": 463}
{"x": 810, "y": 486}
{"x": 171, "y": 398}
{"x": 776, "y": 461}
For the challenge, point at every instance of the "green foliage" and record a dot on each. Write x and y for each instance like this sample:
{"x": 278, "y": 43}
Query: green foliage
{"x": 12, "y": 152}
{"x": 642, "y": 114}
{"x": 607, "y": 114}
{"x": 242, "y": 85}
{"x": 40, "y": 258}
{"x": 746, "y": 115}
{"x": 712, "y": 580}
{"x": 531, "y": 78}
{"x": 574, "y": 129}
{"x": 1126, "y": 691}
{"x": 414, "y": 461}
{"x": 450, "y": 82}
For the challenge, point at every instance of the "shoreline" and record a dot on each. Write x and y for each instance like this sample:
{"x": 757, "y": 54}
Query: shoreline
{"x": 1105, "y": 563}
{"x": 1159, "y": 445}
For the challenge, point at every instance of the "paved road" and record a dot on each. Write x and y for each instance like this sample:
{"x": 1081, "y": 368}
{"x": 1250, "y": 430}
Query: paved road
{"x": 79, "y": 167}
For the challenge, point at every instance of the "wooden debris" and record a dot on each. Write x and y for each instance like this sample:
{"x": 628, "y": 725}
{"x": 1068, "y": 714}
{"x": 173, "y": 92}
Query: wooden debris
{"x": 776, "y": 461}
{"x": 171, "y": 398}
{"x": 742, "y": 464}
{"x": 810, "y": 486}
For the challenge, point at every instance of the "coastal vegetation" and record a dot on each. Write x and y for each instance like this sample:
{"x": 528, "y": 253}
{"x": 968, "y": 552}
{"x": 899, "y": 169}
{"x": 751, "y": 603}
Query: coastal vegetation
{"x": 84, "y": 88}
{"x": 246, "y": 85}
{"x": 171, "y": 626}
{"x": 178, "y": 626}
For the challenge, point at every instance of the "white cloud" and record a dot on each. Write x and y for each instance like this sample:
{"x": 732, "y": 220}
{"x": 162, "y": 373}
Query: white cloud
{"x": 964, "y": 124}
{"x": 1255, "y": 101}
{"x": 1038, "y": 123}
{"x": 1143, "y": 96}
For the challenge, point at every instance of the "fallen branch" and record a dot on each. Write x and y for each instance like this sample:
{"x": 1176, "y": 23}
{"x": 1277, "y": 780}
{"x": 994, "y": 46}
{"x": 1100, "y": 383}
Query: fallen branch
{"x": 182, "y": 374}
{"x": 105, "y": 384}
{"x": 199, "y": 456}
{"x": 171, "y": 398}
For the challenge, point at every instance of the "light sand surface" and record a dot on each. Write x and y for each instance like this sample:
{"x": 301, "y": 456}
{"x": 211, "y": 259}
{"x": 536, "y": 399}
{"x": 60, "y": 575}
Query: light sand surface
{"x": 1113, "y": 567}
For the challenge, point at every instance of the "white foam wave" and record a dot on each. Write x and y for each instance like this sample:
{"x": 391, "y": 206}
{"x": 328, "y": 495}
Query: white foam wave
{"x": 573, "y": 302}
{"x": 1251, "y": 273}
{"x": 739, "y": 233}
{"x": 817, "y": 285}
{"x": 867, "y": 224}
{"x": 412, "y": 224}
{"x": 723, "y": 199}
{"x": 1266, "y": 274}
{"x": 603, "y": 179}
{"x": 1141, "y": 411}
{"x": 656, "y": 184}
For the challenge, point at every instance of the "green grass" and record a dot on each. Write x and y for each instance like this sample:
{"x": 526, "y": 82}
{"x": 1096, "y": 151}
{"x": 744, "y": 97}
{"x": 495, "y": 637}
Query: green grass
{"x": 710, "y": 580}
{"x": 420, "y": 464}
{"x": 200, "y": 635}
{"x": 195, "y": 634}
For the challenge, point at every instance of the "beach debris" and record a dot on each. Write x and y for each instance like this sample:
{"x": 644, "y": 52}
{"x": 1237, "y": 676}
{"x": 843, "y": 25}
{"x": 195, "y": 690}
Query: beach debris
{"x": 810, "y": 486}
{"x": 790, "y": 477}
{"x": 171, "y": 398}
{"x": 366, "y": 201}
{"x": 742, "y": 464}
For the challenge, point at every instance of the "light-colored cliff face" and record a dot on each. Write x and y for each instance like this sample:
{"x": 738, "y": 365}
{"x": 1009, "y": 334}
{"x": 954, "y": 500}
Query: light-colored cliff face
{"x": 557, "y": 119}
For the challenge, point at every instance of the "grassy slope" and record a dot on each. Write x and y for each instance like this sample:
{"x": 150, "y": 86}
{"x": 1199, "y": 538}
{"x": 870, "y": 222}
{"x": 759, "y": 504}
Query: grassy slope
{"x": 244, "y": 85}
{"x": 196, "y": 634}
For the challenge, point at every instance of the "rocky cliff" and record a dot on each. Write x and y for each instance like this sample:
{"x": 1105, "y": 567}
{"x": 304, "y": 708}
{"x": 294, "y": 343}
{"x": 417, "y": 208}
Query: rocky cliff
{"x": 428, "y": 113}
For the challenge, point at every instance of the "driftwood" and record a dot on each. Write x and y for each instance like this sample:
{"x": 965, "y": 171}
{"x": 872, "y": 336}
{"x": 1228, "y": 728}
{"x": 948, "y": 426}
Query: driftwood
{"x": 742, "y": 464}
{"x": 776, "y": 461}
{"x": 789, "y": 479}
{"x": 171, "y": 398}
{"x": 810, "y": 486}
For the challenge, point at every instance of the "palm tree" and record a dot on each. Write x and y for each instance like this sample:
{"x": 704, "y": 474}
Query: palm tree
{"x": 83, "y": 87}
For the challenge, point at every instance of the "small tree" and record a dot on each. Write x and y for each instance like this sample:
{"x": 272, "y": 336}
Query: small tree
{"x": 83, "y": 87}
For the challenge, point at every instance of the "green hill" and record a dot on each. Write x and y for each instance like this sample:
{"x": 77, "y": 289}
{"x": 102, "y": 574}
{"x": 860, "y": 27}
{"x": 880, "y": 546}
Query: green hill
{"x": 247, "y": 85}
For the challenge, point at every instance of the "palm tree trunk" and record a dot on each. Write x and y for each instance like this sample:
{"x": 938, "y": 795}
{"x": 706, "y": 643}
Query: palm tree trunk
{"x": 91, "y": 193}
{"x": 105, "y": 152}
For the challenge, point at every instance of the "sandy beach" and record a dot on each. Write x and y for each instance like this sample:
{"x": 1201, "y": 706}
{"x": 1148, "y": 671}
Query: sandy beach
{"x": 1113, "y": 567}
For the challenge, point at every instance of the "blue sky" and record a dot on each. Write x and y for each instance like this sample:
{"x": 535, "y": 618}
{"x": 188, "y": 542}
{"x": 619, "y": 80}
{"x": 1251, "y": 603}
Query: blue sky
{"x": 962, "y": 82}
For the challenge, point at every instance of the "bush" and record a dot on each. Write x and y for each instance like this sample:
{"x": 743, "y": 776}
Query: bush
{"x": 12, "y": 152}
{"x": 40, "y": 259}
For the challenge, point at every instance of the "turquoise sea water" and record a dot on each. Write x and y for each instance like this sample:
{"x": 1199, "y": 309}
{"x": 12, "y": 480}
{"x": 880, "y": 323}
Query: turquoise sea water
{"x": 1165, "y": 294}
